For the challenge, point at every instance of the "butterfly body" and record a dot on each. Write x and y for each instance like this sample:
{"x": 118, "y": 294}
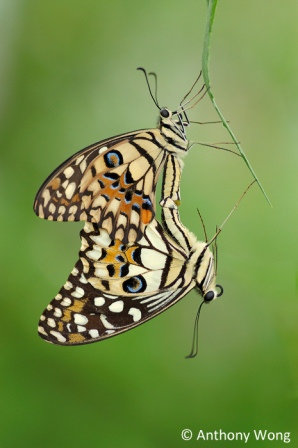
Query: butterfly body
{"x": 115, "y": 287}
{"x": 112, "y": 183}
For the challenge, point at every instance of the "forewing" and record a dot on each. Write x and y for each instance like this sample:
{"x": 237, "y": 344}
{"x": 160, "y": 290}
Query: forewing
{"x": 116, "y": 287}
{"x": 111, "y": 183}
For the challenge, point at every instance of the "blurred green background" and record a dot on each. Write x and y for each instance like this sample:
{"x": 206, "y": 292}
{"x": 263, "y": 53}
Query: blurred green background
{"x": 67, "y": 79}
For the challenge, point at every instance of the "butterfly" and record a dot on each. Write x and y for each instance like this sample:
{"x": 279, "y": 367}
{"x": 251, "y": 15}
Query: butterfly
{"x": 112, "y": 183}
{"x": 115, "y": 287}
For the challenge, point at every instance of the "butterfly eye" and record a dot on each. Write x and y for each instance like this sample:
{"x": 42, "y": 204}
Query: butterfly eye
{"x": 165, "y": 113}
{"x": 209, "y": 296}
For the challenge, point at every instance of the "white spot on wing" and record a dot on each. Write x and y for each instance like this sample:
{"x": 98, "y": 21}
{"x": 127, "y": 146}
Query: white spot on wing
{"x": 70, "y": 190}
{"x": 80, "y": 319}
{"x": 68, "y": 285}
{"x": 73, "y": 209}
{"x": 51, "y": 322}
{"x": 46, "y": 197}
{"x": 68, "y": 172}
{"x": 78, "y": 293}
{"x": 117, "y": 307}
{"x": 58, "y": 336}
{"x": 42, "y": 331}
{"x": 105, "y": 323}
{"x": 57, "y": 312}
{"x": 99, "y": 301}
{"x": 52, "y": 208}
{"x": 103, "y": 149}
{"x": 135, "y": 313}
{"x": 83, "y": 279}
{"x": 66, "y": 301}
{"x": 61, "y": 209}
{"x": 83, "y": 166}
{"x": 94, "y": 333}
{"x": 110, "y": 296}
{"x": 79, "y": 159}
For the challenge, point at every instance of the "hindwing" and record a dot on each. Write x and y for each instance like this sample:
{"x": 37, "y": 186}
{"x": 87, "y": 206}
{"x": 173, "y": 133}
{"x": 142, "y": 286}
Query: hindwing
{"x": 115, "y": 287}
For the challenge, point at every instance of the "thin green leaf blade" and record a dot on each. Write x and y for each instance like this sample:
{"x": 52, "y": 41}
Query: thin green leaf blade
{"x": 211, "y": 8}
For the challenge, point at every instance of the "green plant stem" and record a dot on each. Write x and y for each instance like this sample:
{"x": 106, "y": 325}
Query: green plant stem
{"x": 211, "y": 7}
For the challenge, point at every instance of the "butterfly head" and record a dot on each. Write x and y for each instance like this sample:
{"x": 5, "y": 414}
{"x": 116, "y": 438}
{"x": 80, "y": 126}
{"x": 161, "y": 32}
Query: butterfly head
{"x": 171, "y": 124}
{"x": 205, "y": 274}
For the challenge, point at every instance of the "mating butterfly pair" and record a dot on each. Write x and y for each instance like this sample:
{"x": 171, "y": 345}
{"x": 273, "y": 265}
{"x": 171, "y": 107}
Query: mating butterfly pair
{"x": 130, "y": 267}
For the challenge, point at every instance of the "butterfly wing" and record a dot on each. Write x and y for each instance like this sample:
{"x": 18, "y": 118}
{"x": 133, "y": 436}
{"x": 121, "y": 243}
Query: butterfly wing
{"x": 111, "y": 183}
{"x": 116, "y": 287}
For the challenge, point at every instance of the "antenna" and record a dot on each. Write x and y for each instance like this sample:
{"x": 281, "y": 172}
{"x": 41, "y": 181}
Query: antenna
{"x": 148, "y": 84}
{"x": 203, "y": 225}
{"x": 195, "y": 342}
{"x": 155, "y": 78}
{"x": 231, "y": 212}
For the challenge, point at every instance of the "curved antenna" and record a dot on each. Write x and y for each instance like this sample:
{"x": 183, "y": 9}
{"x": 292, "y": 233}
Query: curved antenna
{"x": 195, "y": 339}
{"x": 231, "y": 212}
{"x": 215, "y": 252}
{"x": 148, "y": 84}
{"x": 203, "y": 225}
{"x": 155, "y": 79}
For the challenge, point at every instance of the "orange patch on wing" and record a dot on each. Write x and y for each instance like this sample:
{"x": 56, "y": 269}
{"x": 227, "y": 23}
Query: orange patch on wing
{"x": 118, "y": 245}
{"x": 113, "y": 252}
{"x": 77, "y": 306}
{"x": 76, "y": 198}
{"x": 107, "y": 190}
{"x": 66, "y": 316}
{"x": 75, "y": 338}
{"x": 114, "y": 160}
{"x": 128, "y": 254}
{"x": 55, "y": 183}
{"x": 125, "y": 208}
{"x": 109, "y": 258}
{"x": 64, "y": 202}
{"x": 146, "y": 216}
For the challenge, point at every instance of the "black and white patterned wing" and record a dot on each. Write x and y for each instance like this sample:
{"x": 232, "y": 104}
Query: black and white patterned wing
{"x": 116, "y": 287}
